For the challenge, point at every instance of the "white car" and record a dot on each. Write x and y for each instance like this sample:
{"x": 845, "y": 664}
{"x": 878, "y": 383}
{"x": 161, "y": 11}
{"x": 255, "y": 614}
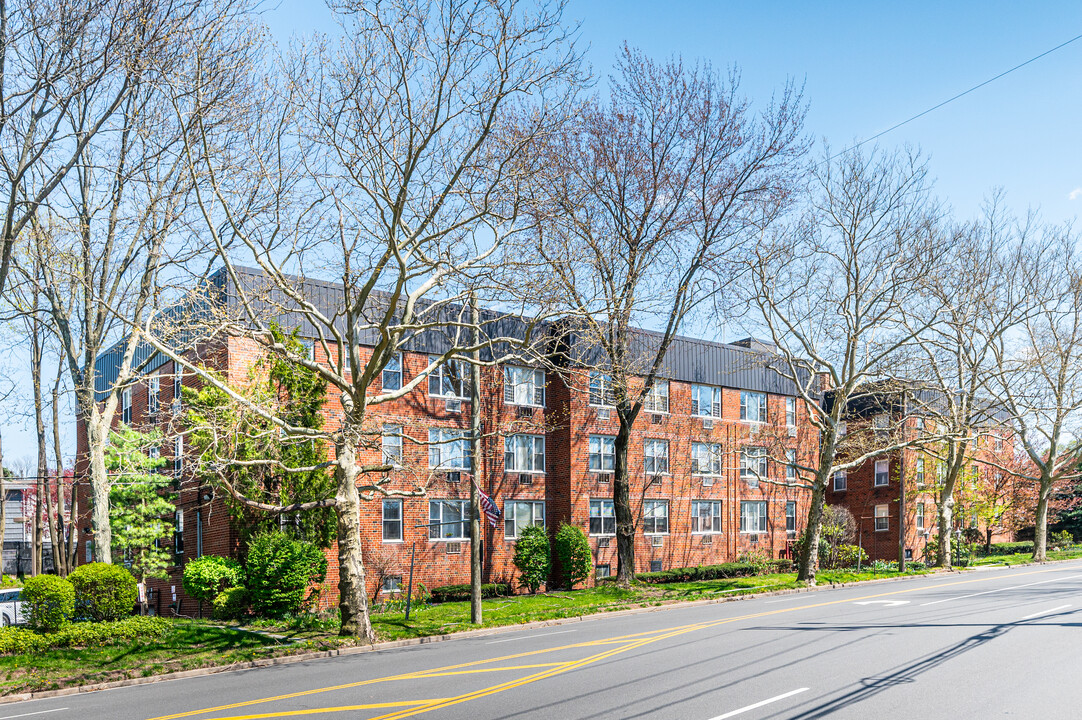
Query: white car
{"x": 11, "y": 607}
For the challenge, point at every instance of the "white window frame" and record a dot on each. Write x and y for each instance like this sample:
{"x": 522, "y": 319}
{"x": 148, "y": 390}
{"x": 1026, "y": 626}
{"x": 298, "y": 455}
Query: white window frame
{"x": 919, "y": 472}
{"x": 606, "y": 449}
{"x": 523, "y": 386}
{"x": 600, "y": 390}
{"x": 436, "y": 519}
{"x": 745, "y": 406}
{"x": 657, "y": 399}
{"x": 843, "y": 428}
{"x": 125, "y": 406}
{"x": 178, "y": 455}
{"x": 443, "y": 380}
{"x": 399, "y": 521}
{"x": 790, "y": 412}
{"x": 882, "y": 518}
{"x": 714, "y": 409}
{"x": 790, "y": 464}
{"x": 654, "y": 513}
{"x": 844, "y": 478}
{"x": 747, "y": 473}
{"x": 154, "y": 390}
{"x": 392, "y": 370}
{"x": 760, "y": 517}
{"x": 534, "y": 446}
{"x": 650, "y": 457}
{"x": 391, "y": 444}
{"x": 882, "y": 473}
{"x": 790, "y": 514}
{"x": 708, "y": 455}
{"x": 603, "y": 510}
{"x": 178, "y": 532}
{"x": 712, "y": 517}
{"x": 511, "y": 525}
{"x": 392, "y": 585}
{"x": 920, "y": 516}
{"x": 449, "y": 449}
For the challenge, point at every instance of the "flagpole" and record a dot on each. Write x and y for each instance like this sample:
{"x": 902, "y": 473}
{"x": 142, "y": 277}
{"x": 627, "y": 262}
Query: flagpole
{"x": 475, "y": 436}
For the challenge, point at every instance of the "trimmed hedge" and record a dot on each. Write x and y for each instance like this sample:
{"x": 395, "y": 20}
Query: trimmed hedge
{"x": 1011, "y": 548}
{"x": 533, "y": 557}
{"x": 231, "y": 603}
{"x": 279, "y": 572}
{"x": 714, "y": 572}
{"x": 22, "y": 641}
{"x": 573, "y": 550}
{"x": 49, "y": 602}
{"x": 104, "y": 591}
{"x": 459, "y": 593}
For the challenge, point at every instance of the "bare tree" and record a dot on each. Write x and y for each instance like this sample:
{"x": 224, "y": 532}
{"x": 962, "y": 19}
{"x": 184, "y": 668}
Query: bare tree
{"x": 644, "y": 207}
{"x": 379, "y": 164}
{"x": 829, "y": 289}
{"x": 1039, "y": 370}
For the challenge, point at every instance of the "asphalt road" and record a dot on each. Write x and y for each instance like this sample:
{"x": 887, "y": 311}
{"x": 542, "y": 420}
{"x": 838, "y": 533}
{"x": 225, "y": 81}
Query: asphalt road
{"x": 987, "y": 644}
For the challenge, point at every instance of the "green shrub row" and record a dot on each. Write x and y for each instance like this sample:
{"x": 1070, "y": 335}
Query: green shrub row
{"x": 459, "y": 593}
{"x": 97, "y": 591}
{"x": 1012, "y": 548}
{"x": 21, "y": 641}
{"x": 714, "y": 572}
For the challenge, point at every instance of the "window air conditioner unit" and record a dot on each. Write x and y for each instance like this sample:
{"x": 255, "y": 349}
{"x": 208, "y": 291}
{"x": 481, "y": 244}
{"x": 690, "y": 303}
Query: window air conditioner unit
{"x": 524, "y": 411}
{"x": 603, "y": 478}
{"x": 655, "y": 419}
{"x": 707, "y": 481}
{"x": 453, "y": 405}
{"x": 454, "y": 548}
{"x": 604, "y": 413}
{"x": 525, "y": 479}
{"x": 603, "y": 542}
{"x": 708, "y": 423}
{"x": 754, "y": 539}
{"x": 708, "y": 539}
{"x": 453, "y": 477}
{"x": 753, "y": 429}
{"x": 657, "y": 541}
{"x": 792, "y": 431}
{"x": 655, "y": 480}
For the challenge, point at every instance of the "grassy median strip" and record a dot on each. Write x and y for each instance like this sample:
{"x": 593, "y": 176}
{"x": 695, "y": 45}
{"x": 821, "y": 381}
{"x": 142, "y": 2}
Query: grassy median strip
{"x": 1027, "y": 557}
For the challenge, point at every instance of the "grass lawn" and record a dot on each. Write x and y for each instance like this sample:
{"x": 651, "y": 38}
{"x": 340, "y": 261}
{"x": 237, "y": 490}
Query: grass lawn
{"x": 190, "y": 644}
{"x": 1020, "y": 558}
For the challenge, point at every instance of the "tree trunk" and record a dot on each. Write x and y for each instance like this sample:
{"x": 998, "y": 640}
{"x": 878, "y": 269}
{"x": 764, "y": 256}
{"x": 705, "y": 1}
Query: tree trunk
{"x": 352, "y": 598}
{"x": 56, "y": 523}
{"x": 621, "y": 501}
{"x": 988, "y": 540}
{"x": 3, "y": 505}
{"x": 37, "y": 562}
{"x": 475, "y": 462}
{"x": 946, "y": 512}
{"x": 1040, "y": 528}
{"x": 97, "y": 432}
{"x": 809, "y": 554}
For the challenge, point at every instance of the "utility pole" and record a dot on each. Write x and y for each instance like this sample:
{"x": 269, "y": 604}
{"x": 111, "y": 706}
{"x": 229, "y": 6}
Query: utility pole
{"x": 475, "y": 463}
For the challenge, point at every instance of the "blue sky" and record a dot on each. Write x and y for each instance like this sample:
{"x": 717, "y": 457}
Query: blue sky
{"x": 866, "y": 66}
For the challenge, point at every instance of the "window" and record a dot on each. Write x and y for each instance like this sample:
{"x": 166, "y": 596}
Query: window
{"x": 602, "y": 453}
{"x": 178, "y": 455}
{"x": 523, "y": 386}
{"x": 524, "y": 453}
{"x": 392, "y": 373}
{"x": 392, "y": 584}
{"x": 657, "y": 399}
{"x": 518, "y": 515}
{"x": 154, "y": 452}
{"x": 392, "y": 445}
{"x": 178, "y": 533}
{"x": 655, "y": 517}
{"x": 392, "y": 521}
{"x": 448, "y": 519}
{"x": 920, "y": 472}
{"x": 602, "y": 517}
{"x": 752, "y": 406}
{"x": 89, "y": 551}
{"x": 706, "y": 458}
{"x": 154, "y": 390}
{"x": 919, "y": 424}
{"x": 655, "y": 566}
{"x": 790, "y": 517}
{"x": 448, "y": 449}
{"x": 920, "y": 516}
{"x": 882, "y": 521}
{"x": 753, "y": 465}
{"x": 882, "y": 473}
{"x": 790, "y": 465}
{"x": 706, "y": 401}
{"x": 309, "y": 350}
{"x": 997, "y": 443}
{"x": 790, "y": 411}
{"x": 881, "y": 423}
{"x": 656, "y": 455}
{"x": 601, "y": 394}
{"x": 603, "y": 571}
{"x": 843, "y": 428}
{"x": 450, "y": 380}
{"x": 839, "y": 481}
{"x": 346, "y": 356}
{"x": 125, "y": 406}
{"x": 753, "y": 516}
{"x": 705, "y": 516}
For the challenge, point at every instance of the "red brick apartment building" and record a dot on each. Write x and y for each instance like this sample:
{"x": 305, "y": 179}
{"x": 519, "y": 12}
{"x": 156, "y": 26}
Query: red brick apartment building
{"x": 895, "y": 494}
{"x": 708, "y": 462}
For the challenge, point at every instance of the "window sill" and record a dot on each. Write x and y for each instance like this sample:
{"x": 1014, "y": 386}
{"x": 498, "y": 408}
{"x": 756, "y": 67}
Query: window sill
{"x": 393, "y": 542}
{"x": 524, "y": 405}
{"x": 708, "y": 533}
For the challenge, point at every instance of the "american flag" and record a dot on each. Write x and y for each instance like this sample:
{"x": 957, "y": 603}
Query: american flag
{"x": 489, "y": 508}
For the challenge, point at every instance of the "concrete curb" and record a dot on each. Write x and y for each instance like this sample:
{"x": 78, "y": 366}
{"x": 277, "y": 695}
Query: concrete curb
{"x": 481, "y": 632}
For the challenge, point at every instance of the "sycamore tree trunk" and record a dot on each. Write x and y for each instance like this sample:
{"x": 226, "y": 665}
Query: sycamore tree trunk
{"x": 946, "y": 515}
{"x": 97, "y": 433}
{"x": 809, "y": 554}
{"x": 621, "y": 501}
{"x": 353, "y": 601}
{"x": 1040, "y": 526}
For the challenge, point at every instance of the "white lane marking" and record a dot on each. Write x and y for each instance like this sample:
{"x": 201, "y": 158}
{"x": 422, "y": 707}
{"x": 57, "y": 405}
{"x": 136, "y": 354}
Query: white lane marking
{"x": 1013, "y": 587}
{"x": 1045, "y": 612}
{"x": 888, "y": 603}
{"x": 734, "y": 713}
{"x": 528, "y": 637}
{"x": 39, "y": 712}
{"x": 790, "y": 599}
